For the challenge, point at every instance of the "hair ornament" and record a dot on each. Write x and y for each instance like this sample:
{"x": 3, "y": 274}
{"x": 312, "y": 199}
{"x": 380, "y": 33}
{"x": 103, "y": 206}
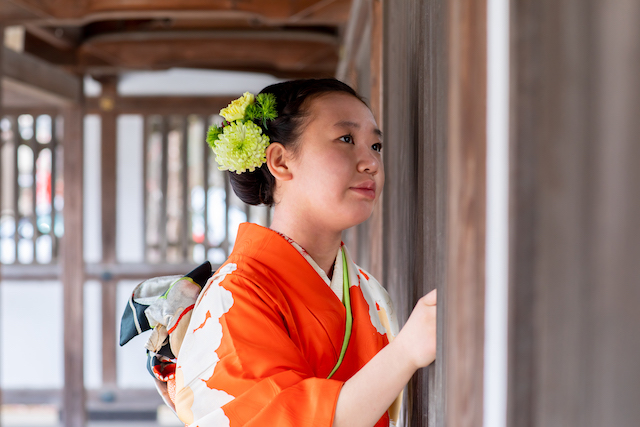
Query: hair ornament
{"x": 239, "y": 144}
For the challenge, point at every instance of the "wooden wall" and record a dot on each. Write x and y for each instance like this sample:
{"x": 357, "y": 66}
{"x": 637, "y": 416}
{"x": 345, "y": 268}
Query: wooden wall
{"x": 434, "y": 203}
{"x": 415, "y": 126}
{"x": 575, "y": 223}
{"x": 1, "y": 112}
{"x": 463, "y": 335}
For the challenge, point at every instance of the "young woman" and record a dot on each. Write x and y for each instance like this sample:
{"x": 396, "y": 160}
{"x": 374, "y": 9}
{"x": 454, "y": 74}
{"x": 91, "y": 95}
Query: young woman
{"x": 289, "y": 331}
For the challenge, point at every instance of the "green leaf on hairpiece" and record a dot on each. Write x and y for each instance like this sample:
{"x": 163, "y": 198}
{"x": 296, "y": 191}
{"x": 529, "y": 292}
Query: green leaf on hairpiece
{"x": 267, "y": 103}
{"x": 213, "y": 134}
{"x": 253, "y": 112}
{"x": 262, "y": 110}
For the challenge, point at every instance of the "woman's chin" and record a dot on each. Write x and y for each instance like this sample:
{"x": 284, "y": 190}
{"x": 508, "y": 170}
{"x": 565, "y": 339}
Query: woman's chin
{"x": 358, "y": 218}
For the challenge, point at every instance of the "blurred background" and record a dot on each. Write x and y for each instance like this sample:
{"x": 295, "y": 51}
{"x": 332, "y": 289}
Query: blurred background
{"x": 512, "y": 185}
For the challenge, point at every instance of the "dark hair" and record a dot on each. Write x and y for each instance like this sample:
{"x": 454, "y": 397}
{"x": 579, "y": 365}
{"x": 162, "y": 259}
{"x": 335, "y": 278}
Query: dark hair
{"x": 257, "y": 187}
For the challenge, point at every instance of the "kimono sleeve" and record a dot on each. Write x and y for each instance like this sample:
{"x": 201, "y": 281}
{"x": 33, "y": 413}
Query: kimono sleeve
{"x": 239, "y": 367}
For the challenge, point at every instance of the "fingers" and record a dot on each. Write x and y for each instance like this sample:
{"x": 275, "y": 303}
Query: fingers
{"x": 431, "y": 298}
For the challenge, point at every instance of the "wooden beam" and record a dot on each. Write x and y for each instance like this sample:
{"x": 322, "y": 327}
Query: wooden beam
{"x": 333, "y": 16}
{"x": 124, "y": 399}
{"x": 279, "y": 50}
{"x": 13, "y": 13}
{"x": 21, "y": 96}
{"x": 325, "y": 13}
{"x": 34, "y": 111}
{"x": 48, "y": 35}
{"x": 108, "y": 186}
{"x": 324, "y": 69}
{"x": 73, "y": 277}
{"x": 83, "y": 12}
{"x": 96, "y": 271}
{"x": 40, "y": 79}
{"x": 226, "y": 36}
{"x": 163, "y": 104}
{"x": 311, "y": 9}
{"x": 466, "y": 214}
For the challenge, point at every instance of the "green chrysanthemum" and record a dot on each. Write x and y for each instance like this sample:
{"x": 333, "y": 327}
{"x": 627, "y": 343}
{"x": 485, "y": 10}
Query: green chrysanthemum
{"x": 240, "y": 147}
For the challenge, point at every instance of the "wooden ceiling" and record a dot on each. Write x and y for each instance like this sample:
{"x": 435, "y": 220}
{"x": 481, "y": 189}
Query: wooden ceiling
{"x": 286, "y": 38}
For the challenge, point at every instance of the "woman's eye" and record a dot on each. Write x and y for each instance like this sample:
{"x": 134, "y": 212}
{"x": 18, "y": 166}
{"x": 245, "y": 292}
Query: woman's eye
{"x": 377, "y": 146}
{"x": 347, "y": 138}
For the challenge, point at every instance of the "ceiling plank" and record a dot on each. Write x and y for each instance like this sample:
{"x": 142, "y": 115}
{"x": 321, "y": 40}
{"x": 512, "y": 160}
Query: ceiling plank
{"x": 163, "y": 104}
{"x": 311, "y": 9}
{"x": 15, "y": 12}
{"x": 45, "y": 34}
{"x": 336, "y": 13}
{"x": 218, "y": 36}
{"x": 70, "y": 10}
{"x": 229, "y": 53}
{"x": 27, "y": 73}
{"x": 279, "y": 51}
{"x": 282, "y": 37}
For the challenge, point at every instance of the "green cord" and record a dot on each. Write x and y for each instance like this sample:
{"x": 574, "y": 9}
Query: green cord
{"x": 346, "y": 300}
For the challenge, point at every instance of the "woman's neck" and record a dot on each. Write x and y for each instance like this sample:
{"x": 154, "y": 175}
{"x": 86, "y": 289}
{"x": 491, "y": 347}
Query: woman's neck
{"x": 320, "y": 244}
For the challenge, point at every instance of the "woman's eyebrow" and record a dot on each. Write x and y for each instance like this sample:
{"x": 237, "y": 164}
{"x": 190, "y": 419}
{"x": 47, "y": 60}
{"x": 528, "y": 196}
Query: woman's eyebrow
{"x": 350, "y": 124}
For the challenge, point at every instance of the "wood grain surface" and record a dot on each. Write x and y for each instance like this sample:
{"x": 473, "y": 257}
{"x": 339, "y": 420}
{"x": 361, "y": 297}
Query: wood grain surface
{"x": 108, "y": 187}
{"x": 415, "y": 198}
{"x": 575, "y": 276}
{"x": 73, "y": 408}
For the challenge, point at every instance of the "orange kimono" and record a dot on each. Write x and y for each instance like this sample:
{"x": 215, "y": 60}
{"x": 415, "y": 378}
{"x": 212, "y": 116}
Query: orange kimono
{"x": 268, "y": 329}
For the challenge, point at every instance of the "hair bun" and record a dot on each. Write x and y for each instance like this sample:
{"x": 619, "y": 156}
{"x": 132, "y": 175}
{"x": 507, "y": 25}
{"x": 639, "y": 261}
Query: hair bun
{"x": 254, "y": 188}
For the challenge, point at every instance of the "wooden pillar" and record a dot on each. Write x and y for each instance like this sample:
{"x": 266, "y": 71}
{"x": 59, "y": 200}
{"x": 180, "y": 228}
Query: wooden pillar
{"x": 465, "y": 291}
{"x": 108, "y": 185}
{"x": 374, "y": 224}
{"x": 414, "y": 212}
{"x": 1, "y": 114}
{"x": 73, "y": 275}
{"x": 575, "y": 277}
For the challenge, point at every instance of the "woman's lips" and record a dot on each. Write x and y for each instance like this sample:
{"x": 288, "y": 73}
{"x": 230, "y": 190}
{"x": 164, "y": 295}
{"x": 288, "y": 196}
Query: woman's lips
{"x": 369, "y": 194}
{"x": 368, "y": 190}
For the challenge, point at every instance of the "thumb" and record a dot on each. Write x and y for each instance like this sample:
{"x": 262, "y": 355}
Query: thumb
{"x": 431, "y": 298}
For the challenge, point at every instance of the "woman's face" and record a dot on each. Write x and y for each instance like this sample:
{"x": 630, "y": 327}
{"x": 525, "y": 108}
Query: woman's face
{"x": 337, "y": 170}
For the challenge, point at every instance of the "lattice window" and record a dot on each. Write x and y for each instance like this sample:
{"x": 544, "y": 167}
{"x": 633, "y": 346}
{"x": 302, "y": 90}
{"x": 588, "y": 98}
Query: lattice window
{"x": 191, "y": 213}
{"x": 31, "y": 190}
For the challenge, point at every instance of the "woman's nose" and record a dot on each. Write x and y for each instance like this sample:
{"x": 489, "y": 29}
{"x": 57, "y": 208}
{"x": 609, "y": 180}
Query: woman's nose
{"x": 369, "y": 162}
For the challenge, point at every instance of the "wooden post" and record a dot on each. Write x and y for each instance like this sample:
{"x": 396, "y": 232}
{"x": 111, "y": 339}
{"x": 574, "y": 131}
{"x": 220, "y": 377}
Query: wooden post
{"x": 434, "y": 187}
{"x": 376, "y": 58}
{"x": 575, "y": 226}
{"x": 1, "y": 114}
{"x": 414, "y": 211}
{"x": 108, "y": 185}
{"x": 74, "y": 414}
{"x": 465, "y": 291}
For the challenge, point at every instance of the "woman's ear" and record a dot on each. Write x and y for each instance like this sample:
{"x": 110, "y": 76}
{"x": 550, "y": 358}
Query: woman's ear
{"x": 278, "y": 161}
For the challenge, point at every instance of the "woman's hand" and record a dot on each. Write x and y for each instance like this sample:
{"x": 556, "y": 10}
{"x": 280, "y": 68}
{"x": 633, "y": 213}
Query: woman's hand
{"x": 418, "y": 336}
{"x": 367, "y": 395}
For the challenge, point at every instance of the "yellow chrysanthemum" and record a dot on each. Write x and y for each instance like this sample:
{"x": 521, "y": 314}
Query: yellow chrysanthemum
{"x": 241, "y": 147}
{"x": 235, "y": 110}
